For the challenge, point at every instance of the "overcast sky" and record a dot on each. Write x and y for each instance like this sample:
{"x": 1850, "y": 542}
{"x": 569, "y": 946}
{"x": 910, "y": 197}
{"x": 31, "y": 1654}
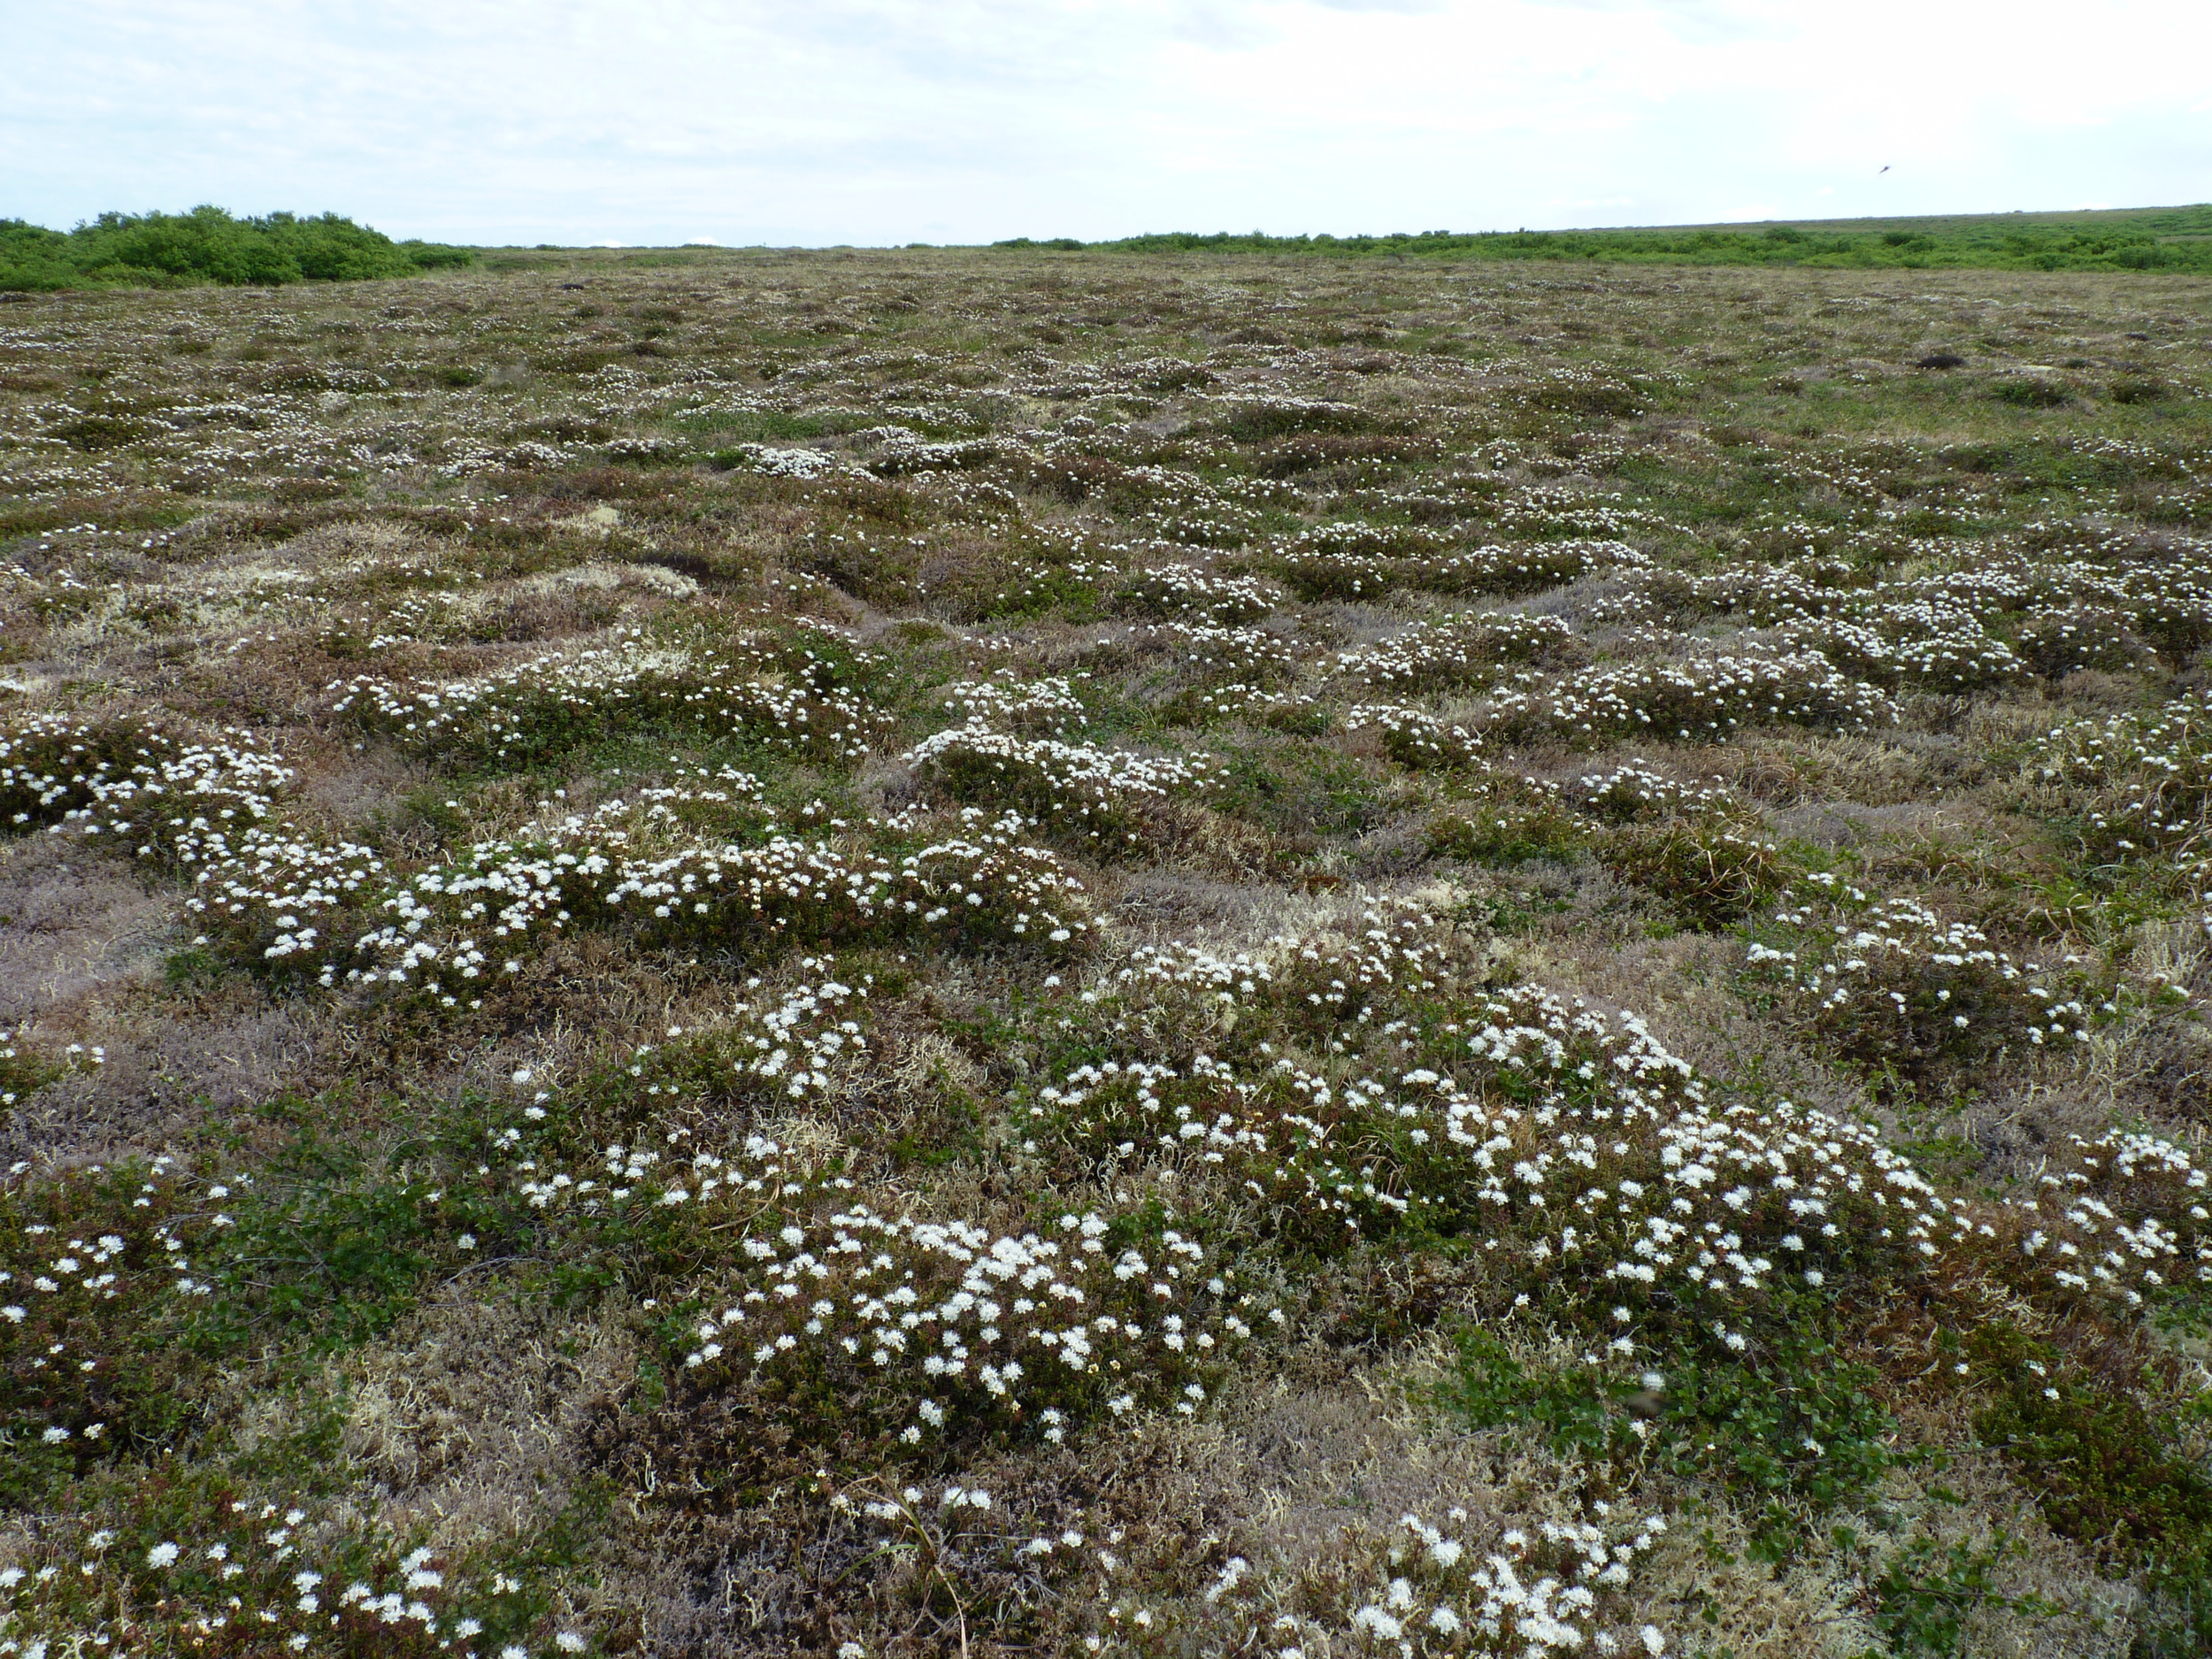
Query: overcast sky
{"x": 873, "y": 122}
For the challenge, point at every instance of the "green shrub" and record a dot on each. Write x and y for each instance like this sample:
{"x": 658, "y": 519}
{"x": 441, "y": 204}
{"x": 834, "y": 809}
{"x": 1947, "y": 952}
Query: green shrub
{"x": 1714, "y": 874}
{"x": 195, "y": 1562}
{"x": 2031, "y": 392}
{"x": 1926, "y": 1593}
{"x": 1263, "y": 418}
{"x": 1911, "y": 995}
{"x": 2143, "y": 239}
{"x": 1791, "y": 1429}
{"x": 2105, "y": 1470}
{"x": 209, "y": 245}
{"x": 1504, "y": 831}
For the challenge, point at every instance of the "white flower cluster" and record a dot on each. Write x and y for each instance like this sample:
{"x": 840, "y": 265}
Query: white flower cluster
{"x": 1189, "y": 589}
{"x": 1350, "y": 560}
{"x": 651, "y": 448}
{"x": 2128, "y": 1216}
{"x": 2166, "y": 603}
{"x": 1700, "y": 699}
{"x": 798, "y": 1043}
{"x": 1187, "y": 508}
{"x": 257, "y": 1578}
{"x": 1560, "y": 1136}
{"x": 1524, "y": 567}
{"x": 1750, "y": 593}
{"x": 1468, "y": 1588}
{"x": 726, "y": 1188}
{"x": 1077, "y": 788}
{"x": 1925, "y": 642}
{"x": 1271, "y": 1135}
{"x": 905, "y": 452}
{"x": 521, "y": 710}
{"x": 1207, "y": 652}
{"x": 777, "y": 461}
{"x": 2140, "y": 783}
{"x": 911, "y": 1324}
{"x": 1458, "y": 651}
{"x": 280, "y": 896}
{"x": 669, "y": 804}
{"x": 1239, "y": 698}
{"x": 1632, "y": 792}
{"x": 1413, "y": 737}
{"x": 18, "y": 1073}
{"x": 2061, "y": 641}
{"x": 1194, "y": 967}
{"x": 1549, "y": 1588}
{"x": 1893, "y": 978}
{"x": 1541, "y": 513}
{"x": 1940, "y": 629}
{"x": 1341, "y": 1159}
{"x": 1009, "y": 704}
{"x": 337, "y": 914}
{"x": 96, "y": 1256}
{"x": 133, "y": 784}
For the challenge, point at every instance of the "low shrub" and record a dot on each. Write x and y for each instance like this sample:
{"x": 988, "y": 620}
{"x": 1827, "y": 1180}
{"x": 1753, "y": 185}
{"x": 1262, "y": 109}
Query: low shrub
{"x": 134, "y": 786}
{"x": 334, "y": 914}
{"x": 1103, "y": 799}
{"x": 1712, "y": 874}
{"x": 181, "y": 1566}
{"x": 1185, "y": 589}
{"x": 782, "y": 694}
{"x": 1791, "y": 1430}
{"x": 1700, "y": 699}
{"x": 208, "y": 245}
{"x": 1457, "y": 652}
{"x": 1415, "y": 738}
{"x": 1894, "y": 986}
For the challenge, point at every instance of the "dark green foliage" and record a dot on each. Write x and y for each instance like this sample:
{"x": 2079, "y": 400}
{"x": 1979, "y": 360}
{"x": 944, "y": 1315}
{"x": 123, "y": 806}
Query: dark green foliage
{"x": 244, "y": 1540}
{"x": 2108, "y": 1472}
{"x": 1298, "y": 787}
{"x": 1263, "y": 418}
{"x": 2031, "y": 392}
{"x": 1505, "y": 831}
{"x": 321, "y": 1251}
{"x": 2139, "y": 389}
{"x": 329, "y": 1243}
{"x": 1792, "y": 1429}
{"x": 2148, "y": 239}
{"x": 209, "y": 245}
{"x": 325, "y": 1247}
{"x": 1711, "y": 873}
{"x": 1927, "y": 1592}
{"x": 767, "y": 426}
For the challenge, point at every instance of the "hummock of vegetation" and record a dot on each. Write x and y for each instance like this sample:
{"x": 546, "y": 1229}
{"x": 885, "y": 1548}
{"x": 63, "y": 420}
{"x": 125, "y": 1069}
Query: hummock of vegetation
{"x": 2125, "y": 239}
{"x": 208, "y": 245}
{"x": 921, "y": 953}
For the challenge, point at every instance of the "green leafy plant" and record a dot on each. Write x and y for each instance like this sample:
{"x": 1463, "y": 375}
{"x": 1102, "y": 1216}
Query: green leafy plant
{"x": 209, "y": 245}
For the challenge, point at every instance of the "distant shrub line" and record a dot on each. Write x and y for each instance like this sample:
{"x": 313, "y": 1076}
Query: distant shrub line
{"x": 208, "y": 245}
{"x": 2167, "y": 240}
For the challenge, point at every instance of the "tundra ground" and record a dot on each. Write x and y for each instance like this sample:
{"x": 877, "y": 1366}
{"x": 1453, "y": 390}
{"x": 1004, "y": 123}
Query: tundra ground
{"x": 881, "y": 954}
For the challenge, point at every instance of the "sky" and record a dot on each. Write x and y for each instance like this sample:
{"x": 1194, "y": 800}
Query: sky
{"x": 821, "y": 122}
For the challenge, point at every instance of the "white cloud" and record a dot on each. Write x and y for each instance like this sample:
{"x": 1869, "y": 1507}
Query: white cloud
{"x": 892, "y": 121}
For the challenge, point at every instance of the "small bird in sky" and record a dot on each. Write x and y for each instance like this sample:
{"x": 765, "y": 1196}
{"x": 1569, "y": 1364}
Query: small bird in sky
{"x": 1879, "y": 174}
